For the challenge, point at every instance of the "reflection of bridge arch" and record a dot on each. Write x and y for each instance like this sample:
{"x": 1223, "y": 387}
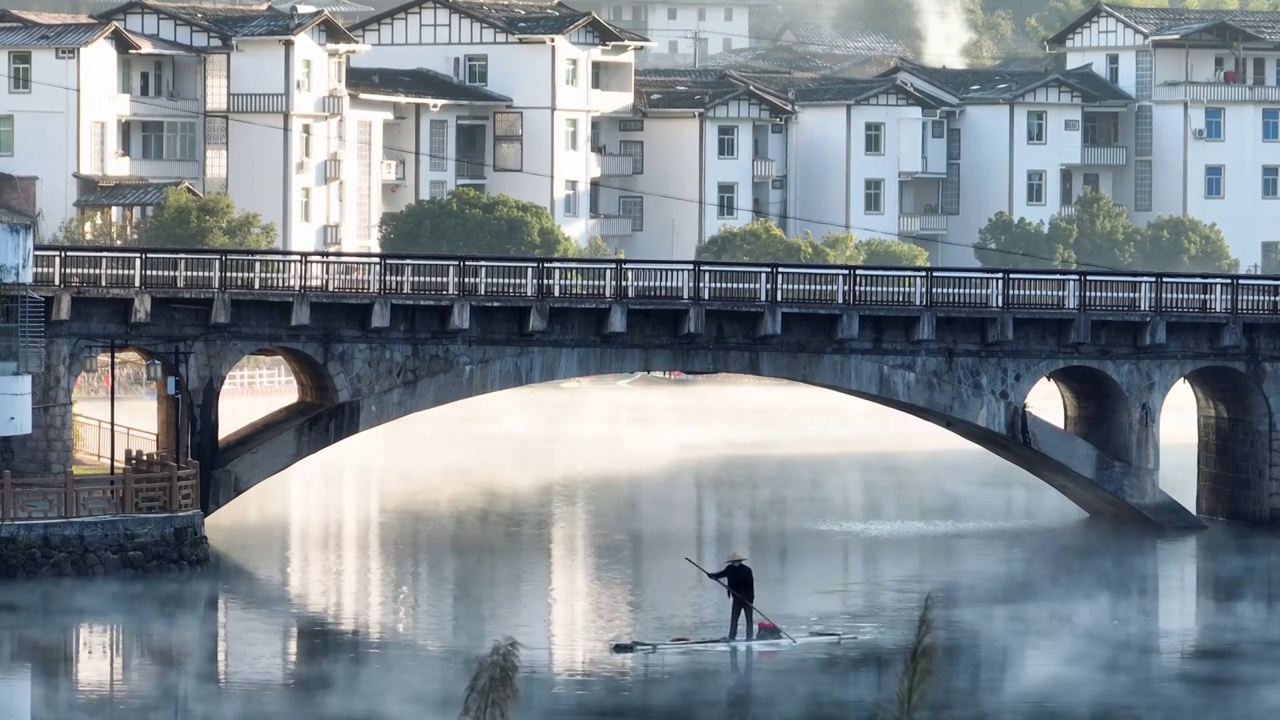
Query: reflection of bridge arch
{"x": 966, "y": 396}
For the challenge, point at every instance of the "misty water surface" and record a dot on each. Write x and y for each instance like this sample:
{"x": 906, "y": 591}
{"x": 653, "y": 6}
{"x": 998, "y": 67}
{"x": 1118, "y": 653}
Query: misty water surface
{"x": 361, "y": 583}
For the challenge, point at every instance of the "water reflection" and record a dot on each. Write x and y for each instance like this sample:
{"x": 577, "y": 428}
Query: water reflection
{"x": 359, "y": 585}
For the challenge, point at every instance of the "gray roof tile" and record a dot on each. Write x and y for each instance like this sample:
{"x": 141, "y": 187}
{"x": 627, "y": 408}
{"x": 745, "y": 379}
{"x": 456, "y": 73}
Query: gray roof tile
{"x": 1180, "y": 21}
{"x": 420, "y": 83}
{"x": 40, "y": 36}
{"x": 36, "y": 17}
{"x": 998, "y": 85}
{"x": 129, "y": 192}
{"x": 241, "y": 21}
{"x": 518, "y": 17}
{"x": 825, "y": 38}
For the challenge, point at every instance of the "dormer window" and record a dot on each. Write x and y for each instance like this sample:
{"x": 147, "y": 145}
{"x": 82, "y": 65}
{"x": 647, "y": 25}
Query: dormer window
{"x": 476, "y": 69}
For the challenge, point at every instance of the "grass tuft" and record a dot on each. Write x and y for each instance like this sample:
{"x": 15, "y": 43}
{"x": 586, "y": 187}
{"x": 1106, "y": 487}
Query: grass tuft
{"x": 492, "y": 691}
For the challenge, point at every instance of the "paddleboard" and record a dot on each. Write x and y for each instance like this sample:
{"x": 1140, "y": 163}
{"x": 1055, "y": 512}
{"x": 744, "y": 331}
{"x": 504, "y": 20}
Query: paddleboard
{"x": 676, "y": 643}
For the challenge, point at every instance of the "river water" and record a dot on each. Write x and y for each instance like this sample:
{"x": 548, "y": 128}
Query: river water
{"x": 362, "y": 582}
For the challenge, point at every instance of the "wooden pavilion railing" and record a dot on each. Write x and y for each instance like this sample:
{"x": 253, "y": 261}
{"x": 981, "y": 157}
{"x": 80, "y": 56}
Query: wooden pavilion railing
{"x": 149, "y": 484}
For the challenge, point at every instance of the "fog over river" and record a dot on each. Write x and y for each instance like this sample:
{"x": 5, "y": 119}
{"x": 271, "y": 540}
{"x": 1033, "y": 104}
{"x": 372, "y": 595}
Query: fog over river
{"x": 361, "y": 583}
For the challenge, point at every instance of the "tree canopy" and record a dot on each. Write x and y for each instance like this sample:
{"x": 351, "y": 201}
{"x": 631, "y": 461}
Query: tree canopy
{"x": 763, "y": 241}
{"x": 469, "y": 222}
{"x": 1098, "y": 234}
{"x": 184, "y": 220}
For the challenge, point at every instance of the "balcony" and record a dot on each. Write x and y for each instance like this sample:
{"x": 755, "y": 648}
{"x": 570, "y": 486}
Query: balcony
{"x": 1069, "y": 211}
{"x": 392, "y": 171}
{"x": 922, "y": 224}
{"x": 332, "y": 169}
{"x": 604, "y": 164}
{"x": 1105, "y": 155}
{"x": 609, "y": 226}
{"x": 264, "y": 103}
{"x": 762, "y": 168}
{"x": 468, "y": 169}
{"x": 187, "y": 169}
{"x": 1216, "y": 92}
{"x": 332, "y": 236}
{"x": 333, "y": 104}
{"x": 139, "y": 106}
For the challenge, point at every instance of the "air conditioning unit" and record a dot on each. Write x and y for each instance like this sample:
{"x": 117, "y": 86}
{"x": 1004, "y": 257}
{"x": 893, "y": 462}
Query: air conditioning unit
{"x": 1198, "y": 133}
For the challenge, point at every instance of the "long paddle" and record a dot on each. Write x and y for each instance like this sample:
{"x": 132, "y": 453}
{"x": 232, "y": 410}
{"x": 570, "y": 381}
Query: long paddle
{"x": 744, "y": 602}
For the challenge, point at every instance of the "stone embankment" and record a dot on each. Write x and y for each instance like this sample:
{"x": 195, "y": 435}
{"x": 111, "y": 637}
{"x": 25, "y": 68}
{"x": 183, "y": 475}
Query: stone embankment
{"x": 122, "y": 545}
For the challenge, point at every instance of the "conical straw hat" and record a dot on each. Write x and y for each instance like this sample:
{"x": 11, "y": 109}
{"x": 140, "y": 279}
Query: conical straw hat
{"x": 735, "y": 557}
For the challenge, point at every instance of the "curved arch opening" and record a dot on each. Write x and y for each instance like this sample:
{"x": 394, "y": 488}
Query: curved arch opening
{"x": 270, "y": 385}
{"x": 1221, "y": 463}
{"x": 1087, "y": 403}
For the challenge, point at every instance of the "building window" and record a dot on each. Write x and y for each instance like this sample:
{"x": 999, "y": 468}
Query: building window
{"x": 938, "y": 129}
{"x": 1271, "y": 124}
{"x": 1214, "y": 181}
{"x": 170, "y": 140}
{"x": 632, "y": 206}
{"x": 1271, "y": 181}
{"x": 1213, "y": 122}
{"x": 726, "y": 200}
{"x": 728, "y": 14}
{"x": 6, "y": 134}
{"x": 304, "y": 79}
{"x": 673, "y": 46}
{"x": 595, "y": 76}
{"x": 873, "y": 197}
{"x": 873, "y": 139}
{"x": 306, "y": 141}
{"x": 727, "y": 141}
{"x": 438, "y": 145}
{"x": 671, "y": 13}
{"x": 1113, "y": 68}
{"x": 615, "y": 13}
{"x": 1142, "y": 185}
{"x": 1035, "y": 187}
{"x": 20, "y": 72}
{"x": 508, "y": 141}
{"x": 953, "y": 145}
{"x": 477, "y": 69}
{"x": 306, "y": 204}
{"x": 571, "y": 198}
{"x": 337, "y": 72}
{"x": 571, "y": 134}
{"x": 630, "y": 126}
{"x": 65, "y": 53}
{"x": 571, "y": 72}
{"x": 634, "y": 148}
{"x": 1036, "y": 123}
{"x": 437, "y": 189}
{"x": 951, "y": 190}
{"x": 702, "y": 14}
{"x": 727, "y": 45}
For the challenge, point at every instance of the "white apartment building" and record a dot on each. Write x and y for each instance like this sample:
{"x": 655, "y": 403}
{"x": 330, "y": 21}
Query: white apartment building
{"x": 553, "y": 70}
{"x": 685, "y": 33}
{"x": 1206, "y": 128}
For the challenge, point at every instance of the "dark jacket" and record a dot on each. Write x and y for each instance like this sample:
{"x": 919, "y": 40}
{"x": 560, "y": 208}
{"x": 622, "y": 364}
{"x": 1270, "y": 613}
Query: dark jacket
{"x": 739, "y": 579}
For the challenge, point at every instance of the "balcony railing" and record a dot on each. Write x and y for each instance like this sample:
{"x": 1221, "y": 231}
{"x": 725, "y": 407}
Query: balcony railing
{"x": 148, "y": 484}
{"x": 1216, "y": 92}
{"x": 762, "y": 168}
{"x": 610, "y": 226}
{"x": 469, "y": 169}
{"x": 332, "y": 236}
{"x": 187, "y": 169}
{"x": 1107, "y": 155}
{"x": 332, "y": 169}
{"x": 604, "y": 164}
{"x": 922, "y": 224}
{"x": 1069, "y": 211}
{"x": 257, "y": 103}
{"x": 189, "y": 108}
{"x": 392, "y": 171}
{"x": 333, "y": 104}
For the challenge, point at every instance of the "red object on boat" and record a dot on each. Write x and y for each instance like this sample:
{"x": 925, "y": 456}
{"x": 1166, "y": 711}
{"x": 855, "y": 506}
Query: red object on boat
{"x": 767, "y": 626}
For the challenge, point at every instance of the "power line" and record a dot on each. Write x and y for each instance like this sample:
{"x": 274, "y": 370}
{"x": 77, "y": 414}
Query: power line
{"x": 203, "y": 114}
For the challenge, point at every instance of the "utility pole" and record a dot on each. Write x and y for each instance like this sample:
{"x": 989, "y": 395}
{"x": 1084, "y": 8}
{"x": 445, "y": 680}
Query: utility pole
{"x": 697, "y": 48}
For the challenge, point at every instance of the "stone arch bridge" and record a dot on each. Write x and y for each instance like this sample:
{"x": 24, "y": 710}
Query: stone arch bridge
{"x": 960, "y": 349}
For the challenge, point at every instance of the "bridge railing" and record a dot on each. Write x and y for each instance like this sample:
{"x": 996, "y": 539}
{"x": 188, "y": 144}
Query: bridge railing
{"x": 93, "y": 438}
{"x": 420, "y": 275}
{"x": 148, "y": 484}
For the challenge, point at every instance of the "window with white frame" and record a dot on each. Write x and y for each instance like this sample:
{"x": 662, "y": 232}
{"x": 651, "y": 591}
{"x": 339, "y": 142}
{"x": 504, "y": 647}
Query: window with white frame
{"x": 438, "y": 145}
{"x": 727, "y": 141}
{"x": 1214, "y": 119}
{"x": 1214, "y": 182}
{"x": 6, "y": 134}
{"x": 304, "y": 77}
{"x": 437, "y": 189}
{"x": 571, "y": 72}
{"x": 873, "y": 138}
{"x": 1113, "y": 68}
{"x": 305, "y": 134}
{"x": 67, "y": 53}
{"x": 337, "y": 72}
{"x": 873, "y": 197}
{"x": 632, "y": 206}
{"x": 476, "y": 69}
{"x": 305, "y": 199}
{"x": 168, "y": 140}
{"x": 571, "y": 198}
{"x": 1271, "y": 182}
{"x": 595, "y": 76}
{"x": 726, "y": 200}
{"x": 1271, "y": 124}
{"x": 508, "y": 141}
{"x": 1035, "y": 187}
{"x": 20, "y": 71}
{"x": 1037, "y": 122}
{"x": 571, "y": 134}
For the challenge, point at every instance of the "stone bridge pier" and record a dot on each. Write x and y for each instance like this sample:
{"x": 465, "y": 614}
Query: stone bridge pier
{"x": 360, "y": 364}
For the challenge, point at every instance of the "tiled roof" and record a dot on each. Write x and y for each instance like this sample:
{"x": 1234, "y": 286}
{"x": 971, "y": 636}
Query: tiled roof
{"x": 996, "y": 85}
{"x": 420, "y": 83}
{"x": 130, "y": 192}
{"x": 148, "y": 44}
{"x": 701, "y": 89}
{"x": 36, "y": 36}
{"x": 36, "y": 17}
{"x": 241, "y": 21}
{"x": 826, "y": 38}
{"x": 784, "y": 57}
{"x": 1171, "y": 21}
{"x": 684, "y": 89}
{"x": 518, "y": 17}
{"x": 333, "y": 7}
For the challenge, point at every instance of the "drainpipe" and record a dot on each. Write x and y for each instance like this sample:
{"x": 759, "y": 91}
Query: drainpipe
{"x": 286, "y": 226}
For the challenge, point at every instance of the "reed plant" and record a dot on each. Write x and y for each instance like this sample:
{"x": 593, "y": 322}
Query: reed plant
{"x": 492, "y": 691}
{"x": 917, "y": 668}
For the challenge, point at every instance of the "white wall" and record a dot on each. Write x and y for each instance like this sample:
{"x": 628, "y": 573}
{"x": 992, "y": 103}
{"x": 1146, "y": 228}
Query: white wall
{"x": 984, "y": 176}
{"x": 727, "y": 170}
{"x": 259, "y": 168}
{"x": 662, "y": 30}
{"x": 668, "y": 185}
{"x": 1061, "y": 147}
{"x": 258, "y": 67}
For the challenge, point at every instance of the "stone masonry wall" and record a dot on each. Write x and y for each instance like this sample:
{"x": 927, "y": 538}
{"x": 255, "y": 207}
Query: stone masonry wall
{"x": 120, "y": 545}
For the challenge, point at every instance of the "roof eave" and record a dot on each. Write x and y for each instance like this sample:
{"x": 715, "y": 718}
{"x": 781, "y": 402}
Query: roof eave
{"x": 422, "y": 100}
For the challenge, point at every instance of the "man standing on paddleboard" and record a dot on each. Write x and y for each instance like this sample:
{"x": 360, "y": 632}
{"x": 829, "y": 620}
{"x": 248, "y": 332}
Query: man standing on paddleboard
{"x": 742, "y": 588}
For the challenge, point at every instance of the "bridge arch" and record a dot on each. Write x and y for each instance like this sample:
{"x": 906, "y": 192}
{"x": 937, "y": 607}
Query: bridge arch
{"x": 1234, "y": 431}
{"x": 1095, "y": 408}
{"x": 957, "y": 394}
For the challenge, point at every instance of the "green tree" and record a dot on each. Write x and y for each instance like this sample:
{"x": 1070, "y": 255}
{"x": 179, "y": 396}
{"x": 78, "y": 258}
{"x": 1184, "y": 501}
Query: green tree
{"x": 1009, "y": 243}
{"x": 894, "y": 253}
{"x": 183, "y": 220}
{"x": 761, "y": 241}
{"x": 1105, "y": 237}
{"x": 92, "y": 230}
{"x": 596, "y": 247}
{"x": 843, "y": 247}
{"x": 995, "y": 35}
{"x": 1183, "y": 244}
{"x": 466, "y": 222}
